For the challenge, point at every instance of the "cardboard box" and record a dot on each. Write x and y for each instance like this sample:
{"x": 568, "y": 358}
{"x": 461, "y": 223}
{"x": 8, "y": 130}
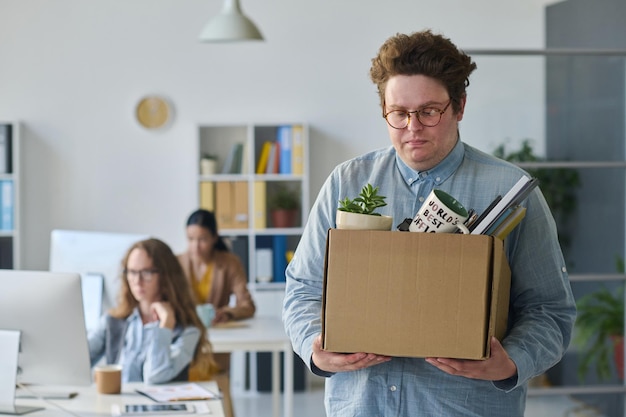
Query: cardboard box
{"x": 414, "y": 294}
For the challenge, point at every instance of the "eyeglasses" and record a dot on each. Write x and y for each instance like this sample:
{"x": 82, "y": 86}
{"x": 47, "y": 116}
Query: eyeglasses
{"x": 145, "y": 275}
{"x": 427, "y": 116}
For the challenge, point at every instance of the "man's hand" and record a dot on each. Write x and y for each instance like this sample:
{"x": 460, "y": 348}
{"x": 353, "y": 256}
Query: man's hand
{"x": 341, "y": 362}
{"x": 498, "y": 367}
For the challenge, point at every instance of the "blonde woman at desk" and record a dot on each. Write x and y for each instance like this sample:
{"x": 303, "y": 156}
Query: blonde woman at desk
{"x": 154, "y": 332}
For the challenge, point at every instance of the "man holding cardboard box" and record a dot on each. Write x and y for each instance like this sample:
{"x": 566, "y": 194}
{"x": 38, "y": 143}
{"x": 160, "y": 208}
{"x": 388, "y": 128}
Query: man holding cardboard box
{"x": 422, "y": 80}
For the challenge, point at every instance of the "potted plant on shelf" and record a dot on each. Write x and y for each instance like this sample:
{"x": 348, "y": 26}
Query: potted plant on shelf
{"x": 208, "y": 164}
{"x": 359, "y": 213}
{"x": 600, "y": 330}
{"x": 284, "y": 204}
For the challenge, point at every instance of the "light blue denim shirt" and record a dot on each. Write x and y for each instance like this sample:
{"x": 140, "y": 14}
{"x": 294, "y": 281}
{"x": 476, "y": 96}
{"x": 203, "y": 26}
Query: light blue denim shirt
{"x": 542, "y": 309}
{"x": 149, "y": 354}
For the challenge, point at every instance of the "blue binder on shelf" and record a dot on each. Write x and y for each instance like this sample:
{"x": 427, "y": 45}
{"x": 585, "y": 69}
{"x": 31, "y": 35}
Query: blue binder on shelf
{"x": 6, "y": 205}
{"x": 283, "y": 137}
{"x": 280, "y": 257}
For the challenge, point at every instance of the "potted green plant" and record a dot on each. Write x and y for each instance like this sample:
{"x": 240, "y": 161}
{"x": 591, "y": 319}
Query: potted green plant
{"x": 359, "y": 212}
{"x": 600, "y": 330}
{"x": 284, "y": 206}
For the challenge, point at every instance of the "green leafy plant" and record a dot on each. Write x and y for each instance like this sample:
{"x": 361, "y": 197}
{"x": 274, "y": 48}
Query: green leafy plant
{"x": 600, "y": 325}
{"x": 284, "y": 198}
{"x": 558, "y": 185}
{"x": 367, "y": 201}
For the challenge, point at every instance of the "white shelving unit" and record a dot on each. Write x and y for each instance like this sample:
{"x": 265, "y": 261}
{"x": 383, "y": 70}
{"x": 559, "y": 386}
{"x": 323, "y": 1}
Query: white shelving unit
{"x": 10, "y": 236}
{"x": 247, "y": 236}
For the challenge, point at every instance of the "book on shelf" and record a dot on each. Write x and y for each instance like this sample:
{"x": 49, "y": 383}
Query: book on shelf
{"x": 207, "y": 195}
{"x": 280, "y": 257}
{"x": 239, "y": 204}
{"x": 260, "y": 205}
{"x": 521, "y": 188}
{"x": 232, "y": 164}
{"x": 223, "y": 205}
{"x": 5, "y": 149}
{"x": 297, "y": 150}
{"x": 6, "y": 205}
{"x": 244, "y": 167}
{"x": 284, "y": 140}
{"x": 273, "y": 161}
{"x": 264, "y": 157}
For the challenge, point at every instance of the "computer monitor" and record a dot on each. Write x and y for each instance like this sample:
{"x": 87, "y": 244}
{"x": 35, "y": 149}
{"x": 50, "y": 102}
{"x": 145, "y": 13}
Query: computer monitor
{"x": 47, "y": 309}
{"x": 92, "y": 252}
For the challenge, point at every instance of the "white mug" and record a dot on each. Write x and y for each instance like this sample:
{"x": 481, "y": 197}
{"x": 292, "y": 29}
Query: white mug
{"x": 440, "y": 213}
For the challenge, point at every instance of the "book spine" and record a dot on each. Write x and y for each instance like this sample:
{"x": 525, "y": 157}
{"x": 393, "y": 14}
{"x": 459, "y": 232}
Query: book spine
{"x": 207, "y": 195}
{"x": 264, "y": 157}
{"x": 280, "y": 257}
{"x": 5, "y": 148}
{"x": 260, "y": 205}
{"x": 6, "y": 205}
{"x": 223, "y": 205}
{"x": 284, "y": 141}
{"x": 229, "y": 164}
{"x": 297, "y": 150}
{"x": 511, "y": 223}
{"x": 240, "y": 204}
{"x": 245, "y": 166}
{"x": 271, "y": 161}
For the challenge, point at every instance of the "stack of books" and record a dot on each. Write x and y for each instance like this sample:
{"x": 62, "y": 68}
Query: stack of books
{"x": 505, "y": 212}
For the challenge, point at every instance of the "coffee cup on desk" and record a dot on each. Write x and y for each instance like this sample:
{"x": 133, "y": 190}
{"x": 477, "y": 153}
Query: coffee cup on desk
{"x": 206, "y": 312}
{"x": 440, "y": 213}
{"x": 108, "y": 379}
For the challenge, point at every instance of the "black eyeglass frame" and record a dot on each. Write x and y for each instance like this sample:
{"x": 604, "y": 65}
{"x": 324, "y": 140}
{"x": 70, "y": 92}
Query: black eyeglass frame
{"x": 145, "y": 275}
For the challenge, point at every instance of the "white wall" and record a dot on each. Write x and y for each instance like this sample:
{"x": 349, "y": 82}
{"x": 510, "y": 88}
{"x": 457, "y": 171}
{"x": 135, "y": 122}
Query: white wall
{"x": 73, "y": 70}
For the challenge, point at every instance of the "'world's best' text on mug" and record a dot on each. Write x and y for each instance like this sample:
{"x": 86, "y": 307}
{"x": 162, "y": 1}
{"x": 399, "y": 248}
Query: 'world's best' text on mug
{"x": 440, "y": 213}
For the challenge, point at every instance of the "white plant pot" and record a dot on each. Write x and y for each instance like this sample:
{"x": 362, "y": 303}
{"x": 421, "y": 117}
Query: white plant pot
{"x": 357, "y": 221}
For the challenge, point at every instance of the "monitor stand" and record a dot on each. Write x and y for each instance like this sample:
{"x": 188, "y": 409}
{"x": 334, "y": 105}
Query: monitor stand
{"x": 9, "y": 351}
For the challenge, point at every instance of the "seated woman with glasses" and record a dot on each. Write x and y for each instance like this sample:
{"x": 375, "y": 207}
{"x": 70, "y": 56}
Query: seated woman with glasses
{"x": 154, "y": 332}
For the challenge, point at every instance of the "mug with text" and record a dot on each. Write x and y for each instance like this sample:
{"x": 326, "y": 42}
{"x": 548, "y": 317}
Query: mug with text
{"x": 440, "y": 213}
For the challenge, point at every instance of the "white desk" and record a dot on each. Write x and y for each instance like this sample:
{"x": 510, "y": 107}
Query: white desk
{"x": 261, "y": 334}
{"x": 89, "y": 403}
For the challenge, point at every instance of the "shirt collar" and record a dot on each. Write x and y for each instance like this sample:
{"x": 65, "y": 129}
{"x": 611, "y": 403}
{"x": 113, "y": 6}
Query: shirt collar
{"x": 439, "y": 173}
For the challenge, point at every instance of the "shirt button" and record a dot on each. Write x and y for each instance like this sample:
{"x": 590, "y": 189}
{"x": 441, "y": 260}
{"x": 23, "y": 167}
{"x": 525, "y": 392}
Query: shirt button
{"x": 421, "y": 199}
{"x": 438, "y": 179}
{"x": 393, "y": 388}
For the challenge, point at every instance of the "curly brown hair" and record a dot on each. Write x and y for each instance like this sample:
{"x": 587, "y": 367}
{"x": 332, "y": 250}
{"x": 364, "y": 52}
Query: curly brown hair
{"x": 423, "y": 53}
{"x": 174, "y": 289}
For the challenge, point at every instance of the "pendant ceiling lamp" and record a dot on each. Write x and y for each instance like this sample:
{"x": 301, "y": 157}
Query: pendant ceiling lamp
{"x": 230, "y": 25}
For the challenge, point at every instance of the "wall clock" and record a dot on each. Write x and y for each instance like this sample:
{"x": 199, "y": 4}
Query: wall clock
{"x": 154, "y": 112}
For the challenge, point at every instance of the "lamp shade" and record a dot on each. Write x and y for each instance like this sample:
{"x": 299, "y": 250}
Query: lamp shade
{"x": 230, "y": 25}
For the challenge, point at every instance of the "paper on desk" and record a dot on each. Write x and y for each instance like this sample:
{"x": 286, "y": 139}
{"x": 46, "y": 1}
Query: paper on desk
{"x": 233, "y": 324}
{"x": 182, "y": 392}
